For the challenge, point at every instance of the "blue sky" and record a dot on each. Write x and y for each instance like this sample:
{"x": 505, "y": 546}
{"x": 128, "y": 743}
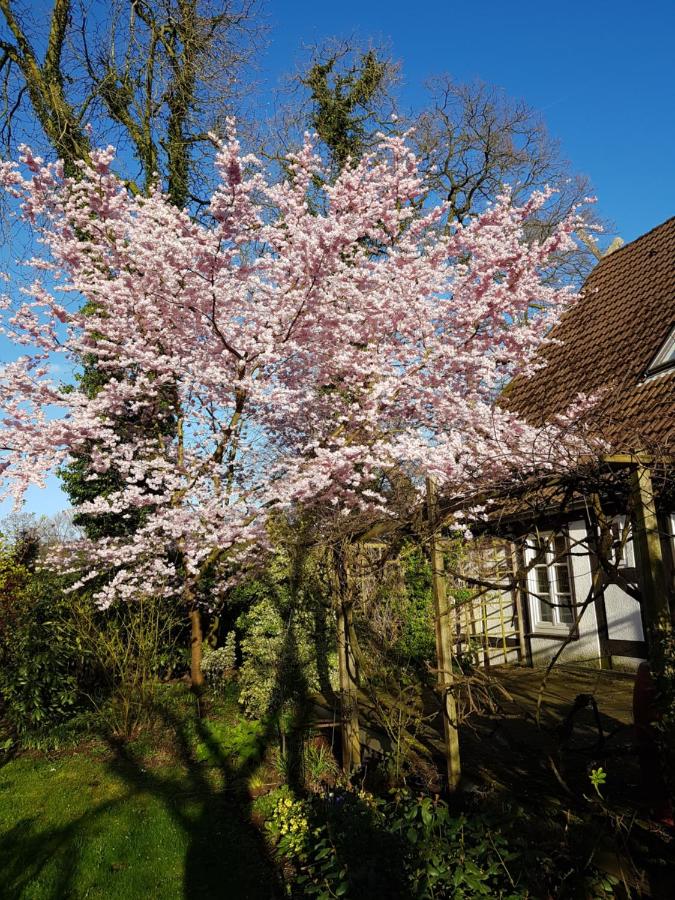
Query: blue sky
{"x": 602, "y": 74}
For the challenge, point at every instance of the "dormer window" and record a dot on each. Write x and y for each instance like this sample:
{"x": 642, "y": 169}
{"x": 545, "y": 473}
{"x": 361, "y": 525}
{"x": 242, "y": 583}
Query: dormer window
{"x": 665, "y": 358}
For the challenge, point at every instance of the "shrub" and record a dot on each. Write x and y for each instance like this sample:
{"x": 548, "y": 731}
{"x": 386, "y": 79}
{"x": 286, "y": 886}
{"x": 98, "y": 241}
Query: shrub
{"x": 451, "y": 856}
{"x": 230, "y": 652}
{"x": 132, "y": 645}
{"x": 417, "y": 641}
{"x": 218, "y": 665}
{"x": 42, "y": 656}
{"x": 355, "y": 845}
{"x": 282, "y": 654}
{"x": 59, "y": 654}
{"x": 318, "y": 763}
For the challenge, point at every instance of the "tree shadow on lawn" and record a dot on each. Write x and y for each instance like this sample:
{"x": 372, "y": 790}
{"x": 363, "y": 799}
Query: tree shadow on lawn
{"x": 207, "y": 794}
{"x": 203, "y": 787}
{"x": 27, "y": 852}
{"x": 209, "y": 799}
{"x": 203, "y": 790}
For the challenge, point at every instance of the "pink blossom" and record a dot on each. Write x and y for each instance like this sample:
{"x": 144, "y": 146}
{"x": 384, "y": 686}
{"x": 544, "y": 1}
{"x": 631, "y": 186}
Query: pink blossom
{"x": 309, "y": 349}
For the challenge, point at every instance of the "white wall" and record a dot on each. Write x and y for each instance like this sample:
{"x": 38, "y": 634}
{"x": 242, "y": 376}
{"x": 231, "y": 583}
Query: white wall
{"x": 624, "y": 619}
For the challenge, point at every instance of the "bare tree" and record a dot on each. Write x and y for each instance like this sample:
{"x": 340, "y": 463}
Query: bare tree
{"x": 473, "y": 139}
{"x": 152, "y": 76}
{"x": 51, "y": 531}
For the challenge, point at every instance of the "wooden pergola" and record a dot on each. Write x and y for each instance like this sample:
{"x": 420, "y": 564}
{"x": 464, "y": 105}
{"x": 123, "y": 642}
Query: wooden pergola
{"x": 651, "y": 572}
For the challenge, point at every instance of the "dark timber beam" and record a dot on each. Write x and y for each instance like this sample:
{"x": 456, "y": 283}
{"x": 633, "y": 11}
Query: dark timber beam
{"x": 650, "y": 565}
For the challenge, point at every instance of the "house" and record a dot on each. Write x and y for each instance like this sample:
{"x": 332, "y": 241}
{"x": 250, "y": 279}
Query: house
{"x": 593, "y": 555}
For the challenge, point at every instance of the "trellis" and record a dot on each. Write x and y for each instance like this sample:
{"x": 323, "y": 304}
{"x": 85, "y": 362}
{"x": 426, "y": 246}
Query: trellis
{"x": 486, "y": 621}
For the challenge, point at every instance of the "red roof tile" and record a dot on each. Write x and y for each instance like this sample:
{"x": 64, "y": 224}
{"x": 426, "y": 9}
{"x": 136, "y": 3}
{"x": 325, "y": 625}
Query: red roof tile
{"x": 609, "y": 338}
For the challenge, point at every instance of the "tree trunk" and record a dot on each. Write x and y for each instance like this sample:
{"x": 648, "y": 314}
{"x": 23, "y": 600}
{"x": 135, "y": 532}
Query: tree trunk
{"x": 196, "y": 675}
{"x": 651, "y": 570}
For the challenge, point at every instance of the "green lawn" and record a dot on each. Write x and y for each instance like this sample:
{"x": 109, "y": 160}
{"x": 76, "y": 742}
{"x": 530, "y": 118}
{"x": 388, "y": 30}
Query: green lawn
{"x": 165, "y": 817}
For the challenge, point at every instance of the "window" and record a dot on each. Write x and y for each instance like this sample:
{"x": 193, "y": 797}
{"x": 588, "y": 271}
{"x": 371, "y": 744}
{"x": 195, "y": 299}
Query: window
{"x": 550, "y": 582}
{"x": 665, "y": 358}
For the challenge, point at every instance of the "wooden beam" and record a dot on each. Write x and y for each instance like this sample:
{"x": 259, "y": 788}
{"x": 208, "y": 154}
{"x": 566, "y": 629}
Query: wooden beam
{"x": 599, "y": 543}
{"x": 444, "y": 639}
{"x": 628, "y": 459}
{"x": 350, "y": 732}
{"x": 629, "y": 649}
{"x": 349, "y": 701}
{"x": 603, "y": 629}
{"x": 650, "y": 565}
{"x": 521, "y": 604}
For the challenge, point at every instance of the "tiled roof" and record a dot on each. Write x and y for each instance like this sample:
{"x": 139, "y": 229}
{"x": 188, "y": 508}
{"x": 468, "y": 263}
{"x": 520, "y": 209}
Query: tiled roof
{"x": 609, "y": 338}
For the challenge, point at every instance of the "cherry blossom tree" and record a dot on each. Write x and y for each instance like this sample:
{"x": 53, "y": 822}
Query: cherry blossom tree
{"x": 307, "y": 341}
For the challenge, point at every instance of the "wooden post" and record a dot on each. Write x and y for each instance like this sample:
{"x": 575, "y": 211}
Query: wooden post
{"x": 650, "y": 566}
{"x": 520, "y": 603}
{"x": 653, "y": 696}
{"x": 599, "y": 545}
{"x": 597, "y": 580}
{"x": 347, "y": 666}
{"x": 443, "y": 642}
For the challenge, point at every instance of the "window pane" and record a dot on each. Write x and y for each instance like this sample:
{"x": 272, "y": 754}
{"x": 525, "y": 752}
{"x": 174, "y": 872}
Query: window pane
{"x": 565, "y": 612}
{"x": 551, "y": 579}
{"x": 545, "y": 611}
{"x": 666, "y": 355}
{"x": 562, "y": 579}
{"x": 543, "y": 585}
{"x": 543, "y": 594}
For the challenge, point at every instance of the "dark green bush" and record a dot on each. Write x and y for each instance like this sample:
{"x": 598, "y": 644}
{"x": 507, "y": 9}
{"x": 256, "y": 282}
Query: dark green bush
{"x": 42, "y": 657}
{"x": 60, "y": 655}
{"x": 418, "y": 641}
{"x": 286, "y": 638}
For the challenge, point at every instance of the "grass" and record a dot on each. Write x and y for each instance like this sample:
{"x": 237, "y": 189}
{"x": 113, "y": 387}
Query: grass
{"x": 167, "y": 816}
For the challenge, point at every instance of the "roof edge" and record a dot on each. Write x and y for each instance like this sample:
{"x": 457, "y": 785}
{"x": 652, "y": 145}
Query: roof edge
{"x": 640, "y": 237}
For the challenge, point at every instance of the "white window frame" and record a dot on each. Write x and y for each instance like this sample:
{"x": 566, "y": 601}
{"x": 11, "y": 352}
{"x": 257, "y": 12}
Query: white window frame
{"x": 665, "y": 358}
{"x": 540, "y": 625}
